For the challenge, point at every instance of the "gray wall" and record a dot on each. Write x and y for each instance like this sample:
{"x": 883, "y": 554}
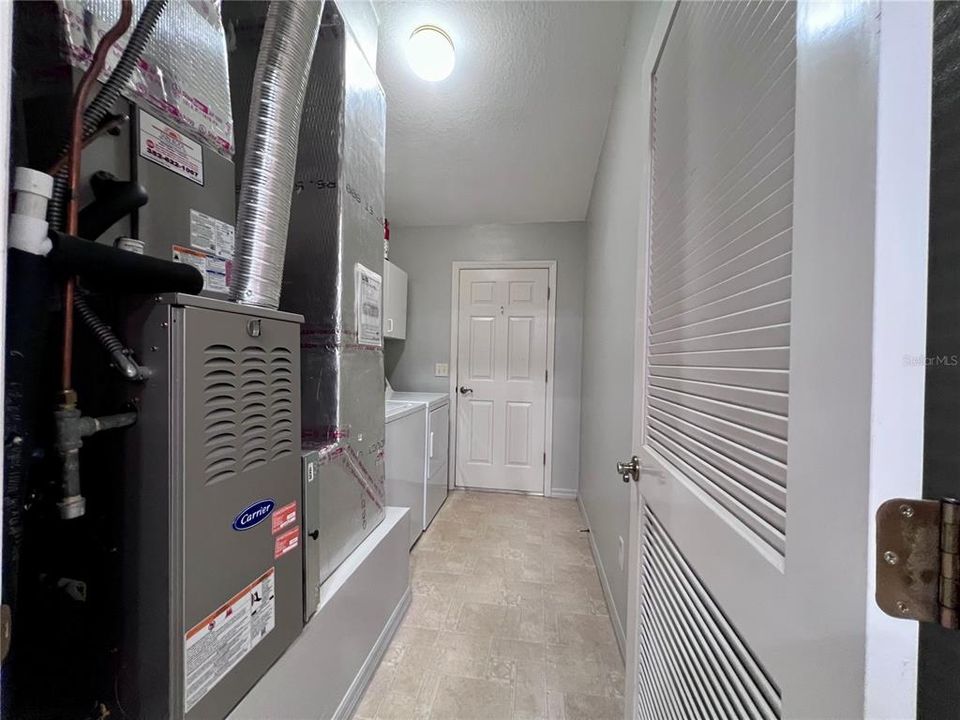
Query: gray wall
{"x": 613, "y": 235}
{"x": 427, "y": 254}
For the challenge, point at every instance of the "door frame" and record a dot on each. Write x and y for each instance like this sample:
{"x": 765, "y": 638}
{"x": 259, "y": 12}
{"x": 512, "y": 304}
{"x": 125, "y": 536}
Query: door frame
{"x": 6, "y": 87}
{"x": 635, "y": 530}
{"x": 551, "y": 267}
{"x": 836, "y": 40}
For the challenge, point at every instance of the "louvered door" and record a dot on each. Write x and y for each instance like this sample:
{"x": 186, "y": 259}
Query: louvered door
{"x": 782, "y": 282}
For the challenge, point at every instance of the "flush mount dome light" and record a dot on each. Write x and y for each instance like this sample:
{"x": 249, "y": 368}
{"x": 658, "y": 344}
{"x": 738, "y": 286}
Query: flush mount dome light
{"x": 430, "y": 53}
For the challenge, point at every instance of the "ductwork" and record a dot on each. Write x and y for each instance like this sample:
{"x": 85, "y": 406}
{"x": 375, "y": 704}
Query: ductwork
{"x": 270, "y": 155}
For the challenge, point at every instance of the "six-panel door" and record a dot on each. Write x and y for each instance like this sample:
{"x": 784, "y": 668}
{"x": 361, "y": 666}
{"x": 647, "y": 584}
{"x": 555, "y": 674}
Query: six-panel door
{"x": 501, "y": 379}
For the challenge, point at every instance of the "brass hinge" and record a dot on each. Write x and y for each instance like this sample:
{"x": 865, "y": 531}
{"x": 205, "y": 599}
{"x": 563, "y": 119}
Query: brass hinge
{"x": 918, "y": 560}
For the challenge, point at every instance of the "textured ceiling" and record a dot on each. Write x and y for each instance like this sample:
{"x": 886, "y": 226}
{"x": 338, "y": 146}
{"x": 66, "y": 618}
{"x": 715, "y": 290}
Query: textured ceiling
{"x": 514, "y": 134}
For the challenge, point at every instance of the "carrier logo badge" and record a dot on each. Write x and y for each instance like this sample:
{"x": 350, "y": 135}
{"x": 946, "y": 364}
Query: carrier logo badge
{"x": 253, "y": 515}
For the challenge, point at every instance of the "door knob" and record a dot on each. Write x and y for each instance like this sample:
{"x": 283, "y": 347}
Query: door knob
{"x": 629, "y": 470}
{"x": 465, "y": 390}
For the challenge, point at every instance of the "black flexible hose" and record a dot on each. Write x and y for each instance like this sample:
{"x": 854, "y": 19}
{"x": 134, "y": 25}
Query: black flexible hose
{"x": 111, "y": 343}
{"x": 102, "y": 104}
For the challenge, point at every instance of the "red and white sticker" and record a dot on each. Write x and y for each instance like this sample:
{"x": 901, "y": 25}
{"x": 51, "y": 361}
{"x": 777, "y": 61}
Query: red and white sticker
{"x": 283, "y": 517}
{"x": 169, "y": 148}
{"x": 286, "y": 542}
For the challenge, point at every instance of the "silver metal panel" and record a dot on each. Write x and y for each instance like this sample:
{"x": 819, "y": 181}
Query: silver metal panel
{"x": 340, "y": 507}
{"x": 218, "y": 431}
{"x": 165, "y": 220}
{"x": 241, "y": 425}
{"x": 310, "y": 471}
{"x": 148, "y": 686}
{"x": 227, "y": 307}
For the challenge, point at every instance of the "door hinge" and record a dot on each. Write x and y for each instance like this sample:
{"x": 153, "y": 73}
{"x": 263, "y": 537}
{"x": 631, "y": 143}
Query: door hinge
{"x": 548, "y": 292}
{"x": 546, "y": 376}
{"x": 544, "y": 459}
{"x": 918, "y": 560}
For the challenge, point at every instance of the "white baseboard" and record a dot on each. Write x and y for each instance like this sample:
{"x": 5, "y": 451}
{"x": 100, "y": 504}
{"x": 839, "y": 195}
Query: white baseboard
{"x": 370, "y": 665}
{"x": 607, "y": 595}
{"x": 567, "y": 493}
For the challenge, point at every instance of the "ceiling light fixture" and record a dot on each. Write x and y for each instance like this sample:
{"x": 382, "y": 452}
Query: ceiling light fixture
{"x": 430, "y": 53}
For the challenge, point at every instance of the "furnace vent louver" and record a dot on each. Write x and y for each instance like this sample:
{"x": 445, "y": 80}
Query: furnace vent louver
{"x": 691, "y": 661}
{"x": 253, "y": 413}
{"x": 281, "y": 403}
{"x": 220, "y": 428}
{"x": 248, "y": 396}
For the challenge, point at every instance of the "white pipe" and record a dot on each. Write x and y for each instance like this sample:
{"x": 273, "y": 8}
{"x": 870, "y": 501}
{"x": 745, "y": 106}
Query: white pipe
{"x": 28, "y": 221}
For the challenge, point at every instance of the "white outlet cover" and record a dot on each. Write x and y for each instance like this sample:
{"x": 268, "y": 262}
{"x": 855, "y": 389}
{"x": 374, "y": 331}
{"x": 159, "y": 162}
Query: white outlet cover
{"x": 441, "y": 370}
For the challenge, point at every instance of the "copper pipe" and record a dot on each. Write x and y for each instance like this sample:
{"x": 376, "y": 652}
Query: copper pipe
{"x": 73, "y": 175}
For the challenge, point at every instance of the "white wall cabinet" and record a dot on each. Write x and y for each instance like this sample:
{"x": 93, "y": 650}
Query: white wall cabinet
{"x": 394, "y": 301}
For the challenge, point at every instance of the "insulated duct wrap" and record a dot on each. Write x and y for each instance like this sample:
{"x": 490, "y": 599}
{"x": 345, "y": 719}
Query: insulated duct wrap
{"x": 270, "y": 158}
{"x": 335, "y": 241}
{"x": 181, "y": 75}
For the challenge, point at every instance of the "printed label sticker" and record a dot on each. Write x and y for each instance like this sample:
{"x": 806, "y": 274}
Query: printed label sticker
{"x": 214, "y": 646}
{"x": 169, "y": 148}
{"x": 369, "y": 293}
{"x": 284, "y": 517}
{"x": 286, "y": 542}
{"x": 211, "y": 235}
{"x": 216, "y": 271}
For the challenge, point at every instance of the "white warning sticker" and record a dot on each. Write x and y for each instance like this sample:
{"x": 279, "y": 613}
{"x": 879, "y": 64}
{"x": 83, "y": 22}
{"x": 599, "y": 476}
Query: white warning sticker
{"x": 212, "y": 235}
{"x": 170, "y": 148}
{"x": 216, "y": 271}
{"x": 369, "y": 295}
{"x": 215, "y": 645}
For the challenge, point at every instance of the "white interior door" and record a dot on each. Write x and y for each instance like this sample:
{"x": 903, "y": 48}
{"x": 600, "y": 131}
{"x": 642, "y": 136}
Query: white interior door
{"x": 501, "y": 379}
{"x": 783, "y": 286}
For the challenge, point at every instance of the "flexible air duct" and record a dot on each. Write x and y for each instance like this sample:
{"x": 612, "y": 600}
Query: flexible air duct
{"x": 270, "y": 156}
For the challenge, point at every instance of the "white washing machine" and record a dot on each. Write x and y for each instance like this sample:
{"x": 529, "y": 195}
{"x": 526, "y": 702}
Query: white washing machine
{"x": 404, "y": 459}
{"x": 436, "y": 451}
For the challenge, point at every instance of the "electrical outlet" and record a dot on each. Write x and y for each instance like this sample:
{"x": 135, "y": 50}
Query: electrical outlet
{"x": 620, "y": 551}
{"x": 441, "y": 370}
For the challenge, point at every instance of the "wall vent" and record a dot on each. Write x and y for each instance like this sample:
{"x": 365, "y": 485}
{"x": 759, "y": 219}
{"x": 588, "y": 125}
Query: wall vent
{"x": 691, "y": 661}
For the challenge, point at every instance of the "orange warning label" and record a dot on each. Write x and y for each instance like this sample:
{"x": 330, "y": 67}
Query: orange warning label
{"x": 284, "y": 517}
{"x": 286, "y": 542}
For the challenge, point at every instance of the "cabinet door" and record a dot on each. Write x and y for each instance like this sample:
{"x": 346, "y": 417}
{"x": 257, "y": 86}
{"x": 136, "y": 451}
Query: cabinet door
{"x": 394, "y": 301}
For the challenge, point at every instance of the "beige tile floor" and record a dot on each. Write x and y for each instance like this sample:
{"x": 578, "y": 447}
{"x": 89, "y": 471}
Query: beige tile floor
{"x": 507, "y": 620}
